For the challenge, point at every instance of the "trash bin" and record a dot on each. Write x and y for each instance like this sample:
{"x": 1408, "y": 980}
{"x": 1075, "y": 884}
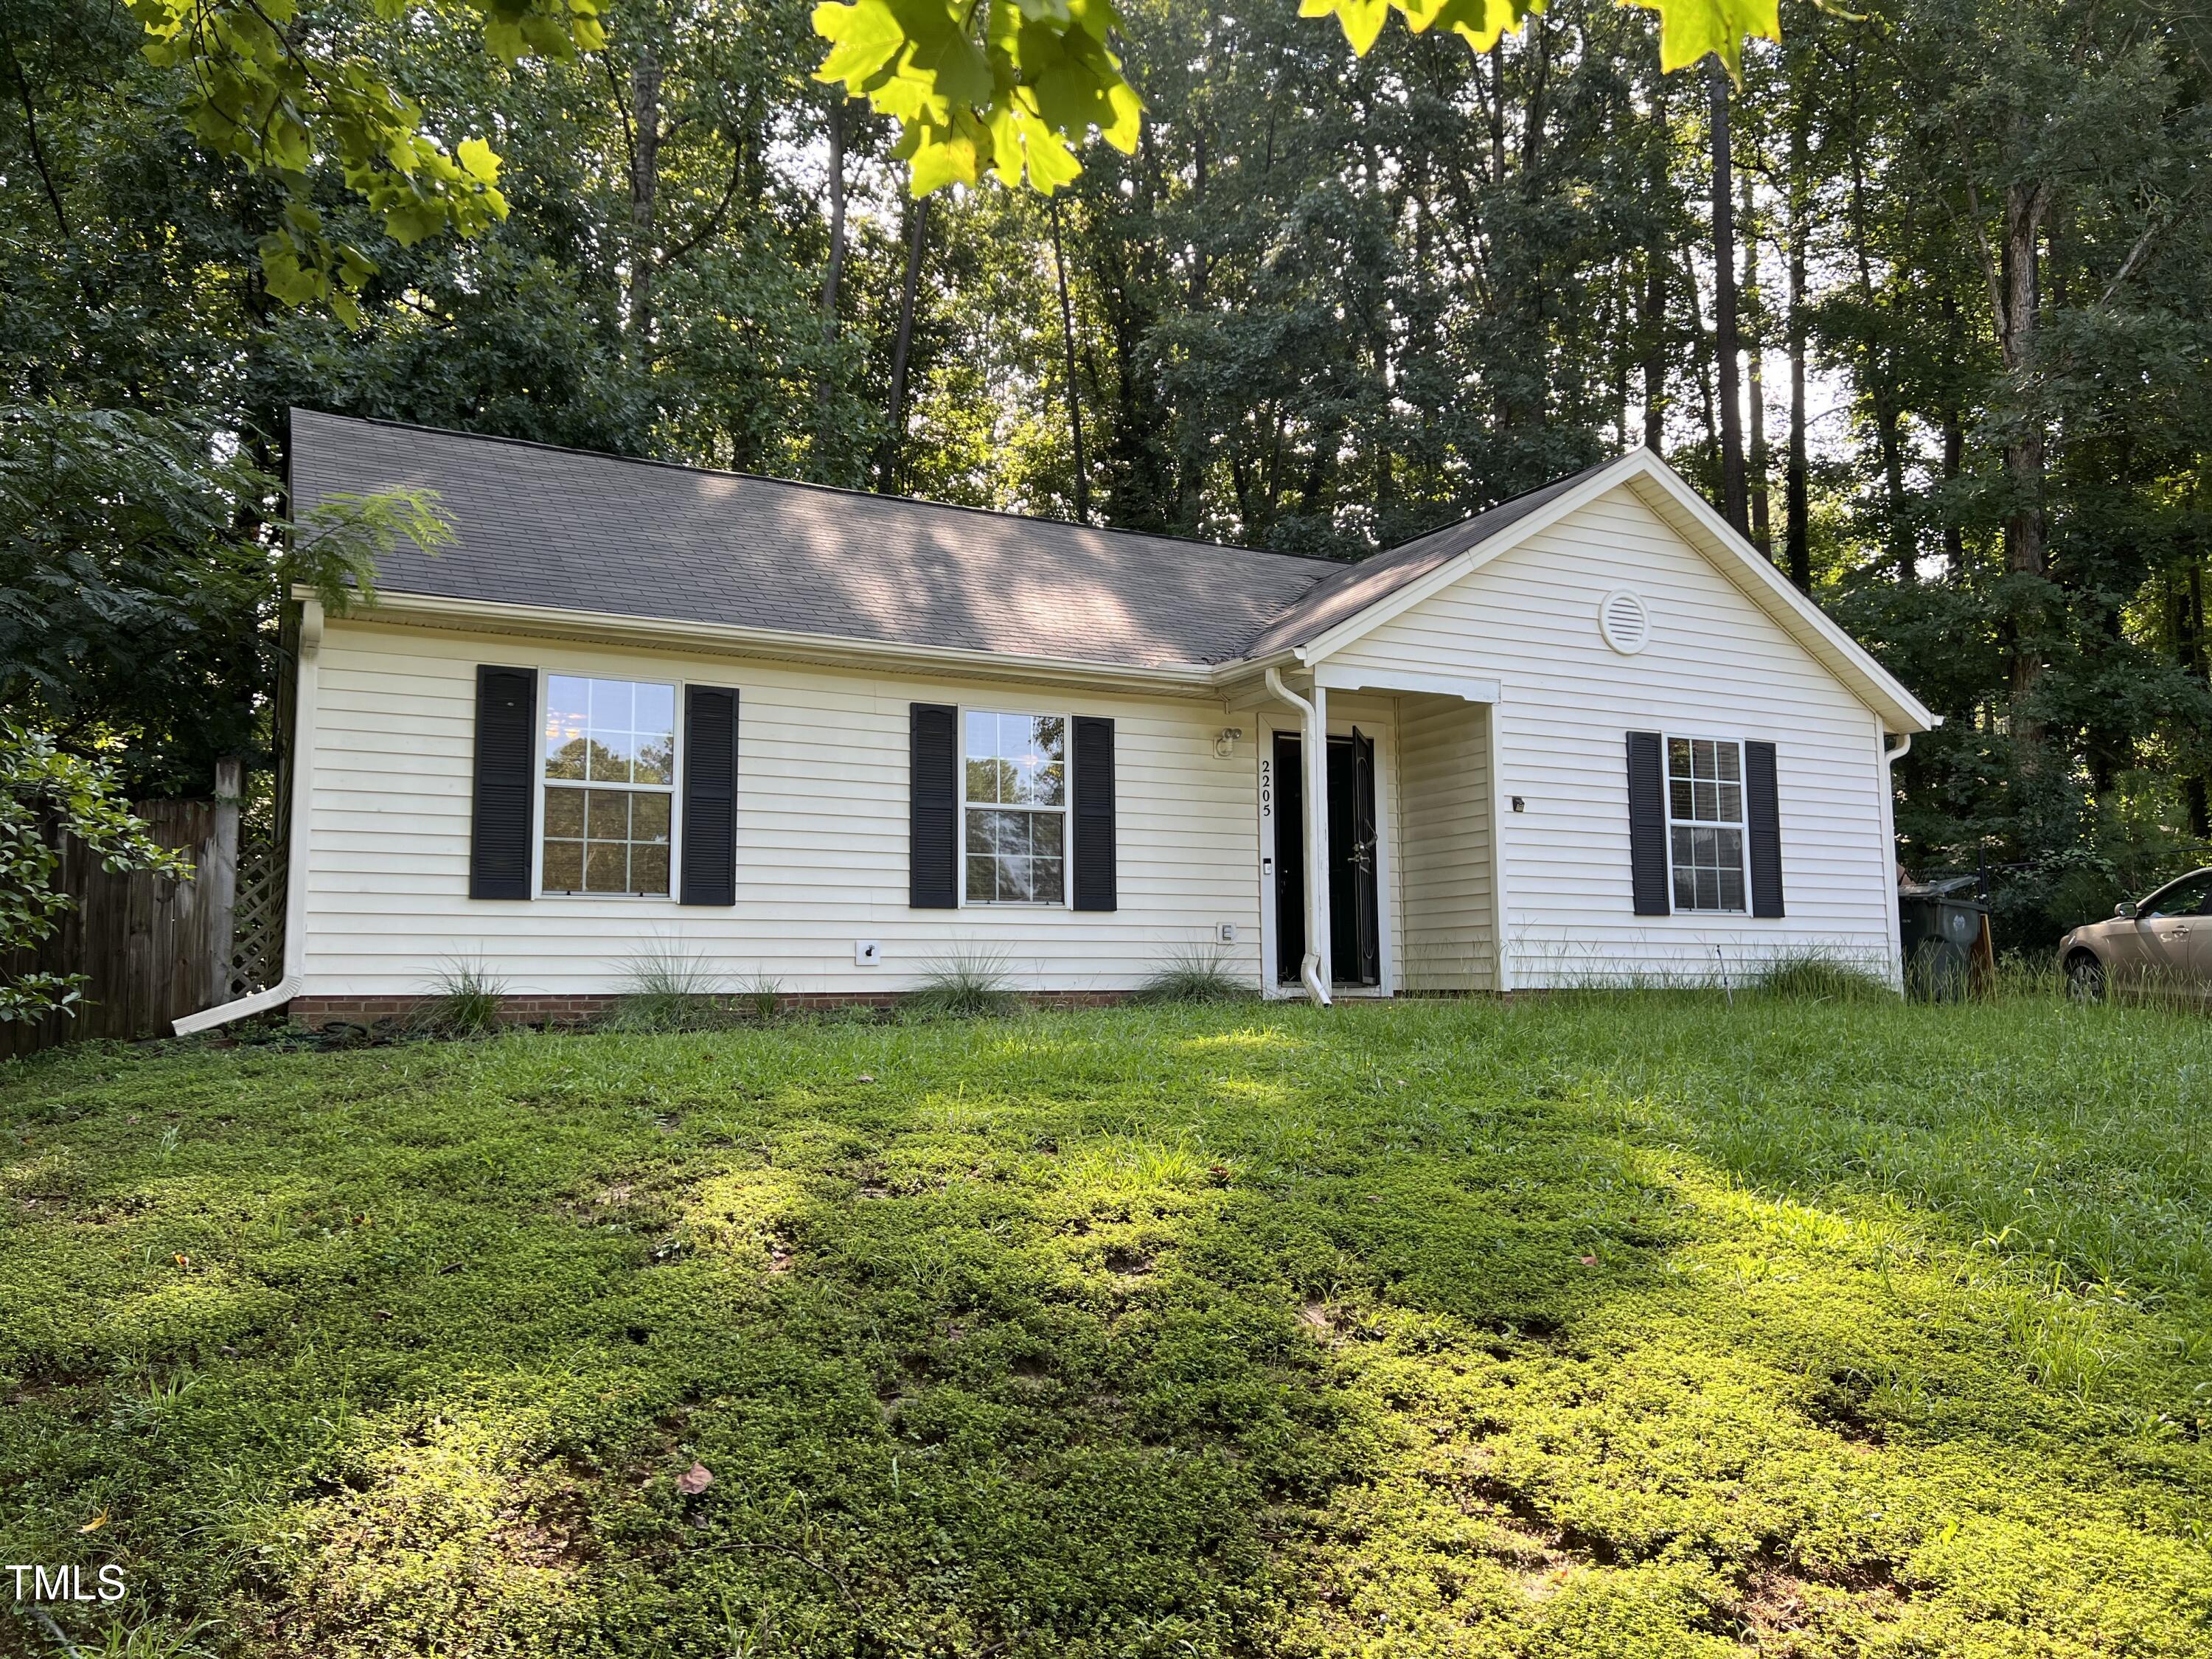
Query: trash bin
{"x": 1946, "y": 943}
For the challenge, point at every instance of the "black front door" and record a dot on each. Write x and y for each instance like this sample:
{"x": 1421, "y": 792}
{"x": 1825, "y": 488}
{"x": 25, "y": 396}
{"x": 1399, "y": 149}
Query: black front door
{"x": 1355, "y": 937}
{"x": 1354, "y": 924}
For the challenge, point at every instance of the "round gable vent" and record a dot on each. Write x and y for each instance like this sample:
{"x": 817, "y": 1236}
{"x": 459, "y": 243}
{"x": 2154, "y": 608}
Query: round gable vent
{"x": 1625, "y": 622}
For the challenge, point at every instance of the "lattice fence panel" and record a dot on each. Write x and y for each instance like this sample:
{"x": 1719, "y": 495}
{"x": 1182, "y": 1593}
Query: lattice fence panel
{"x": 256, "y": 948}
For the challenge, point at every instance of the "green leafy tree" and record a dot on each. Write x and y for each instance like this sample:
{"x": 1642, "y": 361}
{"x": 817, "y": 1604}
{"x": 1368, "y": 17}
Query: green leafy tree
{"x": 273, "y": 87}
{"x": 142, "y": 576}
{"x": 1016, "y": 86}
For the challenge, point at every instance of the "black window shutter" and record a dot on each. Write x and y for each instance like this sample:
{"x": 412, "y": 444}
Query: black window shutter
{"x": 710, "y": 795}
{"x": 934, "y": 808}
{"x": 1763, "y": 822}
{"x": 1647, "y": 824}
{"x": 506, "y": 804}
{"x": 1094, "y": 862}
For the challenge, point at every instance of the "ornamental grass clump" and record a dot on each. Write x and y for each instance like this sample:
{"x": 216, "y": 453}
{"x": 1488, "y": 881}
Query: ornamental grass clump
{"x": 1820, "y": 976}
{"x": 1199, "y": 976}
{"x": 968, "y": 985}
{"x": 466, "y": 1002}
{"x": 667, "y": 990}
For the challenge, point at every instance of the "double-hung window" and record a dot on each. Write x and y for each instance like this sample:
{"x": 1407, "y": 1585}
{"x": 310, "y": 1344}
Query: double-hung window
{"x": 610, "y": 774}
{"x": 1705, "y": 822}
{"x": 1016, "y": 808}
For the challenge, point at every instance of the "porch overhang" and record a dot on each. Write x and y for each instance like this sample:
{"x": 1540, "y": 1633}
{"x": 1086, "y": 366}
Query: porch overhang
{"x": 1332, "y": 676}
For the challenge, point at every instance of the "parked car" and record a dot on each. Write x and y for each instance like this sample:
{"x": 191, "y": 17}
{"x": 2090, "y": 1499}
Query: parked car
{"x": 2160, "y": 945}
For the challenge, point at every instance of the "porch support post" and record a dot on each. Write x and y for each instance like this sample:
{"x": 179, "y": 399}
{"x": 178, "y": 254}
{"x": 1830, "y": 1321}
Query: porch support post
{"x": 1313, "y": 750}
{"x": 1501, "y": 981}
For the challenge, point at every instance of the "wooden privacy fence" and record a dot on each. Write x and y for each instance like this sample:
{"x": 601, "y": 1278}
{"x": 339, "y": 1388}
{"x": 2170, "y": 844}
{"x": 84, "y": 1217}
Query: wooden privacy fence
{"x": 153, "y": 949}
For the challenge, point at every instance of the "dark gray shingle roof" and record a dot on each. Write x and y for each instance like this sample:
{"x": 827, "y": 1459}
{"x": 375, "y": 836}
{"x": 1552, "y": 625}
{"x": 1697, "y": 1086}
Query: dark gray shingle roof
{"x": 579, "y": 531}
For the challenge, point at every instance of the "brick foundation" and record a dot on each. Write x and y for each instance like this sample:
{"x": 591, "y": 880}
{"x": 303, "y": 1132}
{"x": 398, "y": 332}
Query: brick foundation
{"x": 315, "y": 1012}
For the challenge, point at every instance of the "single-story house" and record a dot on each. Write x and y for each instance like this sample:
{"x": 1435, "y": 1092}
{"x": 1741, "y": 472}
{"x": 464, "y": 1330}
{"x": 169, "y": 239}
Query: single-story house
{"x": 780, "y": 733}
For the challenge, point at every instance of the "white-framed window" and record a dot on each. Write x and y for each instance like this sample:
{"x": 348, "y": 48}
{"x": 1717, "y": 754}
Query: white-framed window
{"x": 1014, "y": 808}
{"x": 1705, "y": 822}
{"x": 608, "y": 778}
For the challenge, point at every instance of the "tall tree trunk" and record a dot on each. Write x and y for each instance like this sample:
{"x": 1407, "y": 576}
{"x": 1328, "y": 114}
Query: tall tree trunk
{"x": 2190, "y": 646}
{"x": 1617, "y": 331}
{"x": 2017, "y": 296}
{"x": 1654, "y": 328}
{"x": 1762, "y": 526}
{"x": 1074, "y": 392}
{"x": 1495, "y": 94}
{"x": 1881, "y": 392}
{"x": 1709, "y": 406}
{"x": 1190, "y": 459}
{"x": 1954, "y": 446}
{"x": 895, "y": 441}
{"x": 1797, "y": 501}
{"x": 1657, "y": 255}
{"x": 1538, "y": 36}
{"x": 1730, "y": 391}
{"x": 1201, "y": 260}
{"x": 644, "y": 190}
{"x": 837, "y": 271}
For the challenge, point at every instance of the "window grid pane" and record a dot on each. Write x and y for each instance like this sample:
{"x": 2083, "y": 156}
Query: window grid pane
{"x": 618, "y": 736}
{"x": 1015, "y": 777}
{"x": 609, "y": 730}
{"x": 1705, "y": 801}
{"x": 605, "y": 841}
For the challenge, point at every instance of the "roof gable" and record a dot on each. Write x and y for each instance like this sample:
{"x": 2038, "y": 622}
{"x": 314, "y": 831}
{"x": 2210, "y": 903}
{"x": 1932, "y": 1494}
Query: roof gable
{"x": 1688, "y": 515}
{"x": 1338, "y": 599}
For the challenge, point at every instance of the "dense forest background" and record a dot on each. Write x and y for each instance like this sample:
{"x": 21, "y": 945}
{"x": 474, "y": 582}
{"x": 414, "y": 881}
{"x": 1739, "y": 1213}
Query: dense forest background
{"x": 1926, "y": 304}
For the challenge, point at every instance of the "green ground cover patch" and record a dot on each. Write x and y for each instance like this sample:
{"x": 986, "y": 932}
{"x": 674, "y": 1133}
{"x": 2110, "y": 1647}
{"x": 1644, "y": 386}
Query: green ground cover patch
{"x": 1596, "y": 1325}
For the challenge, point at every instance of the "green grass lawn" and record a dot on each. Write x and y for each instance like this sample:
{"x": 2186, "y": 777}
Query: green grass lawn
{"x": 1597, "y": 1325}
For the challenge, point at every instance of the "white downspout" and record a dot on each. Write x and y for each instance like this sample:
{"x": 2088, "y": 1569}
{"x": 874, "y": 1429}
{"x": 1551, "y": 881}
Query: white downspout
{"x": 1313, "y": 750}
{"x": 1889, "y": 759}
{"x": 296, "y": 877}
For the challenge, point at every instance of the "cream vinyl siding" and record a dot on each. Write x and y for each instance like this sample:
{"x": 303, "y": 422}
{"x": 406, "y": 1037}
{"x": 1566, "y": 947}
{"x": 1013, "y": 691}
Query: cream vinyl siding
{"x": 821, "y": 838}
{"x": 1716, "y": 665}
{"x": 1447, "y": 943}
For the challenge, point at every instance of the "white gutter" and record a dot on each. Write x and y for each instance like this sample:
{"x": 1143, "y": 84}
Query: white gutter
{"x": 784, "y": 644}
{"x": 304, "y": 687}
{"x": 1313, "y": 971}
{"x": 791, "y": 645}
